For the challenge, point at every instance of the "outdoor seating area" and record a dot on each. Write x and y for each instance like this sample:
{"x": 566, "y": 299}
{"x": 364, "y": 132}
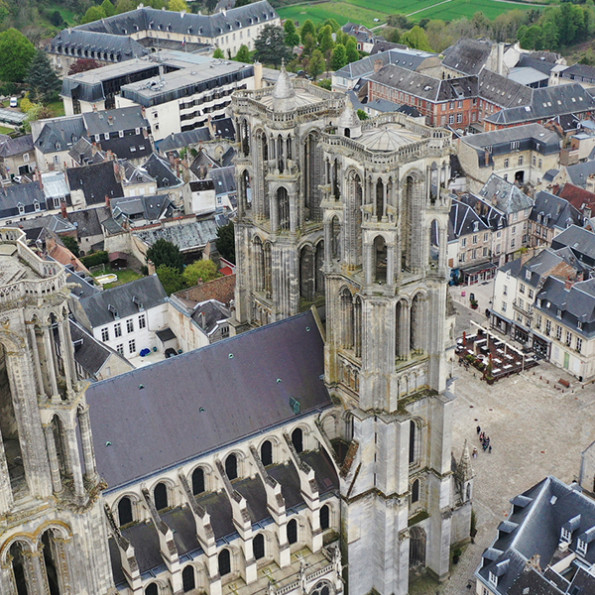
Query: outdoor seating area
{"x": 492, "y": 356}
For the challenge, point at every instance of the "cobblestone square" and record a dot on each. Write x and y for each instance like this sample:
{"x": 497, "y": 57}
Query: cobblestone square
{"x": 536, "y": 427}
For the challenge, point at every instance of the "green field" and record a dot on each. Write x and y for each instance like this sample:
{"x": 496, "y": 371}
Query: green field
{"x": 365, "y": 11}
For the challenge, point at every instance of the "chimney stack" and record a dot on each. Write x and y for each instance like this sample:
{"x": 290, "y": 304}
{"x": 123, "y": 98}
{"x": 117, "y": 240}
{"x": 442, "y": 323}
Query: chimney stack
{"x": 63, "y": 210}
{"x": 378, "y": 64}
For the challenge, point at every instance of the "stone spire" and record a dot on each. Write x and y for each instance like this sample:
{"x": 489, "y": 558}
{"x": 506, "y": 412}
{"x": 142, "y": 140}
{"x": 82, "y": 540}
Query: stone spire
{"x": 283, "y": 91}
{"x": 464, "y": 469}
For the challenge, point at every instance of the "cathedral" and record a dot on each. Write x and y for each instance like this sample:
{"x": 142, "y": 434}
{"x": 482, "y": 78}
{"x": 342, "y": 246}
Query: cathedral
{"x": 311, "y": 452}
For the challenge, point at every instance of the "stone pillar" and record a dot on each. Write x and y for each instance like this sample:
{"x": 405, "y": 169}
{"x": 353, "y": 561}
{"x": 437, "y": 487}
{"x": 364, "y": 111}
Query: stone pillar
{"x": 87, "y": 442}
{"x": 7, "y": 583}
{"x": 49, "y": 361}
{"x": 384, "y": 197}
{"x": 390, "y": 263}
{"x": 60, "y": 557}
{"x": 74, "y": 461}
{"x": 68, "y": 339}
{"x": 65, "y": 348}
{"x": 36, "y": 364}
{"x": 442, "y": 248}
{"x": 35, "y": 574}
{"x": 6, "y": 499}
{"x": 53, "y": 458}
{"x": 404, "y": 326}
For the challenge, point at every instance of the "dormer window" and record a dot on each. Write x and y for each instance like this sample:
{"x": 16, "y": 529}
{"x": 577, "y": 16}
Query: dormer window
{"x": 21, "y": 208}
{"x": 565, "y": 535}
{"x": 528, "y": 275}
{"x": 36, "y": 205}
{"x": 581, "y": 547}
{"x": 121, "y": 133}
{"x": 493, "y": 578}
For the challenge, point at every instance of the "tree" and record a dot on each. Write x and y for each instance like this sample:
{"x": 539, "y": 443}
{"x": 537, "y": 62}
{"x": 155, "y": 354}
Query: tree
{"x": 108, "y": 8}
{"x": 226, "y": 245}
{"x": 325, "y": 84}
{"x": 218, "y": 53}
{"x": 338, "y": 57}
{"x": 16, "y": 54}
{"x": 170, "y": 278}
{"x": 42, "y": 81}
{"x": 417, "y": 39}
{"x": 243, "y": 54}
{"x": 532, "y": 39}
{"x": 178, "y": 5}
{"x": 309, "y": 45}
{"x": 94, "y": 13}
{"x": 351, "y": 50}
{"x": 291, "y": 35}
{"x": 82, "y": 65}
{"x": 270, "y": 45}
{"x": 307, "y": 29}
{"x": 317, "y": 64}
{"x": 56, "y": 19}
{"x": 241, "y": 3}
{"x": 125, "y": 6}
{"x": 391, "y": 34}
{"x": 200, "y": 271}
{"x": 163, "y": 252}
{"x": 71, "y": 244}
{"x": 400, "y": 21}
{"x": 325, "y": 40}
{"x": 361, "y": 114}
{"x": 332, "y": 24}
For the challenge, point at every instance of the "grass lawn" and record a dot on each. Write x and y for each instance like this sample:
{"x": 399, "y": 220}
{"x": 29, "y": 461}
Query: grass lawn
{"x": 68, "y": 15}
{"x": 6, "y": 130}
{"x": 124, "y": 276}
{"x": 365, "y": 11}
{"x": 56, "y": 107}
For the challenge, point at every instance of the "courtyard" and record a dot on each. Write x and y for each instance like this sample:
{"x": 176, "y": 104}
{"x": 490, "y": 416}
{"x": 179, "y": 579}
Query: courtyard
{"x": 537, "y": 427}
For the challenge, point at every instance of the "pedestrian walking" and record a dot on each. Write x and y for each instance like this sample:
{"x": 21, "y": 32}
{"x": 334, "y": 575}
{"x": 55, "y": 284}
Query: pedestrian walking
{"x": 490, "y": 449}
{"x": 474, "y": 452}
{"x": 478, "y": 429}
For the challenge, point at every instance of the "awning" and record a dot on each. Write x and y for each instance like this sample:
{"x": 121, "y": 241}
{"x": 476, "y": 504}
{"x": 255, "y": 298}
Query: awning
{"x": 479, "y": 268}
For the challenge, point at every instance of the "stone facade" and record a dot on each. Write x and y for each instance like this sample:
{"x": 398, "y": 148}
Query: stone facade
{"x": 353, "y": 217}
{"x": 53, "y": 536}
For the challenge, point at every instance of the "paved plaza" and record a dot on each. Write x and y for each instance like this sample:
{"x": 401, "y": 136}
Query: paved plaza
{"x": 536, "y": 427}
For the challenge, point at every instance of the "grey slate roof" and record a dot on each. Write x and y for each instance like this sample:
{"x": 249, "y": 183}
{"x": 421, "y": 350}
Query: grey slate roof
{"x": 186, "y": 236}
{"x": 60, "y": 134}
{"x": 580, "y": 240}
{"x": 97, "y": 182}
{"x": 90, "y": 354}
{"x": 184, "y": 139}
{"x": 124, "y": 118}
{"x": 505, "y": 195}
{"x": 130, "y": 146}
{"x": 533, "y": 137}
{"x": 88, "y": 221}
{"x": 150, "y": 208}
{"x": 468, "y": 56}
{"x": 554, "y": 212}
{"x": 571, "y": 306}
{"x": 99, "y": 45}
{"x": 208, "y": 314}
{"x": 531, "y": 61}
{"x": 580, "y": 72}
{"x": 26, "y": 195}
{"x": 16, "y": 146}
{"x": 224, "y": 180}
{"x": 84, "y": 153}
{"x": 123, "y": 300}
{"x": 222, "y": 393}
{"x": 223, "y": 128}
{"x": 545, "y": 103}
{"x": 147, "y": 19}
{"x": 550, "y": 504}
{"x": 463, "y": 220}
{"x": 407, "y": 58}
{"x": 424, "y": 86}
{"x": 503, "y": 91}
{"x": 160, "y": 170}
{"x": 579, "y": 173}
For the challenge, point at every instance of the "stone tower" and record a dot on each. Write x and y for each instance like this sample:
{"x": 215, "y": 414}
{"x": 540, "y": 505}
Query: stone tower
{"x": 359, "y": 210}
{"x": 53, "y": 537}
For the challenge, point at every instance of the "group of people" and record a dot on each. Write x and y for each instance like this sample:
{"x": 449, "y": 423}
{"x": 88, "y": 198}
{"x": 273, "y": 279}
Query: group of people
{"x": 484, "y": 440}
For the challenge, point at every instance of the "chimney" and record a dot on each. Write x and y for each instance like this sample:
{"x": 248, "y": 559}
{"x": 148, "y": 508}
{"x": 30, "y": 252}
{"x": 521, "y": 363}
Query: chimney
{"x": 63, "y": 210}
{"x": 378, "y": 64}
{"x": 107, "y": 202}
{"x": 110, "y": 120}
{"x": 210, "y": 125}
{"x": 569, "y": 283}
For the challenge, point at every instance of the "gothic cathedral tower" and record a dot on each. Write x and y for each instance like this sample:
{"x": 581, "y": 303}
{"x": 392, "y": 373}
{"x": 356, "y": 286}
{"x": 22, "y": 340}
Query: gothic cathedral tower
{"x": 53, "y": 538}
{"x": 358, "y": 210}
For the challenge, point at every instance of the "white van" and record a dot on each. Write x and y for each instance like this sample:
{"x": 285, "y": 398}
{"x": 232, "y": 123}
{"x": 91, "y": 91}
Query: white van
{"x": 14, "y": 102}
